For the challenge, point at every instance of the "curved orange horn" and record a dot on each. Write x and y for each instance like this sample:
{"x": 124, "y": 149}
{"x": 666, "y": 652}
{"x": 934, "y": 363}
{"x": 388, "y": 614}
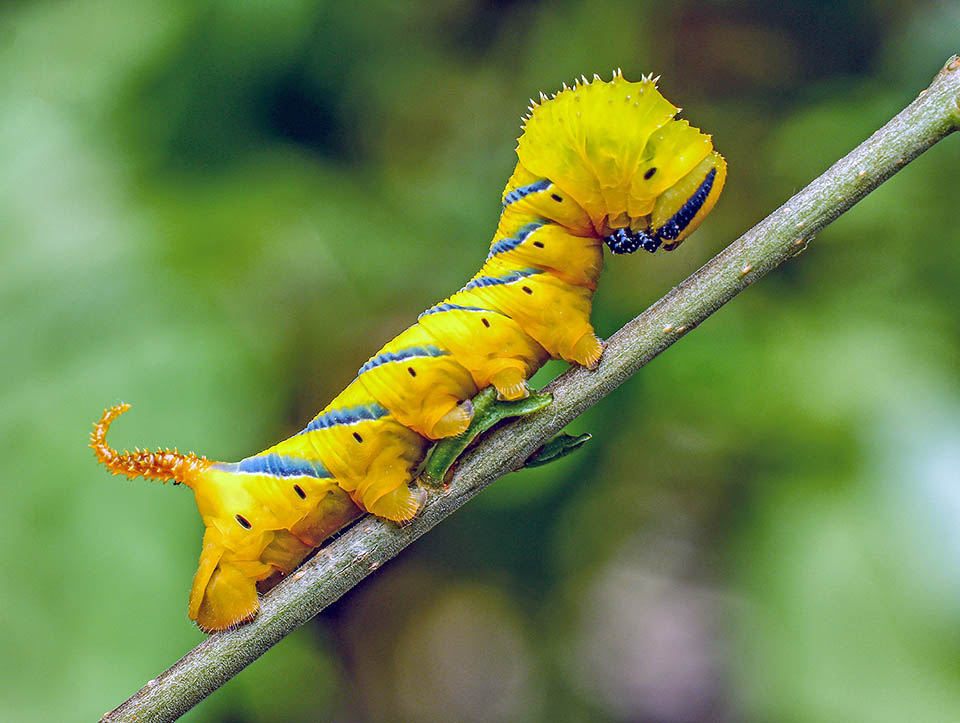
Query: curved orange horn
{"x": 163, "y": 465}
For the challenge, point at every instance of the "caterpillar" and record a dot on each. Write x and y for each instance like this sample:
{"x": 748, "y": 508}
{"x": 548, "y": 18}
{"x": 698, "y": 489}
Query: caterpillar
{"x": 599, "y": 163}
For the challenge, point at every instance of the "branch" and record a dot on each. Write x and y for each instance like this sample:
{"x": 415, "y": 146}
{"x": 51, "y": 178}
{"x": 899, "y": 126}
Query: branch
{"x": 372, "y": 542}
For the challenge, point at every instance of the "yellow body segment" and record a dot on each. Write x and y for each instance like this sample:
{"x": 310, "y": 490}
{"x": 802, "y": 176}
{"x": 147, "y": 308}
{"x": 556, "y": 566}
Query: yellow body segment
{"x": 247, "y": 542}
{"x": 600, "y": 163}
{"x": 369, "y": 453}
{"x": 491, "y": 346}
{"x": 555, "y": 314}
{"x": 575, "y": 260}
{"x": 421, "y": 383}
{"x": 565, "y": 213}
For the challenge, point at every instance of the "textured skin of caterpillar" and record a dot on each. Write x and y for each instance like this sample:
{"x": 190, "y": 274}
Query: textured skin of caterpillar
{"x": 602, "y": 162}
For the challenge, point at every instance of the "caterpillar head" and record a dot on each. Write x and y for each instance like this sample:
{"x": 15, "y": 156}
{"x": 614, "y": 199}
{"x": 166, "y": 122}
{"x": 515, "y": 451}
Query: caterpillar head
{"x": 248, "y": 544}
{"x": 642, "y": 179}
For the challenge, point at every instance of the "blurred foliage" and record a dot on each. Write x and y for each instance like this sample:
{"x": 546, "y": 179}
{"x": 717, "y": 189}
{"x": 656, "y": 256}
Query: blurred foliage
{"x": 216, "y": 211}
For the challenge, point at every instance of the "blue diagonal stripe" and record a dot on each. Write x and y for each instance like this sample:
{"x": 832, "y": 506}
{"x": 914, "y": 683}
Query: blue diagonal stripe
{"x": 516, "y": 194}
{"x": 510, "y": 278}
{"x": 277, "y": 465}
{"x": 413, "y": 352}
{"x": 347, "y": 415}
{"x": 509, "y": 244}
{"x": 441, "y": 308}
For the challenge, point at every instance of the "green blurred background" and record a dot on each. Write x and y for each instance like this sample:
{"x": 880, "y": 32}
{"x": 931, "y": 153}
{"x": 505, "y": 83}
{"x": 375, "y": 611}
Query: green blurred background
{"x": 217, "y": 210}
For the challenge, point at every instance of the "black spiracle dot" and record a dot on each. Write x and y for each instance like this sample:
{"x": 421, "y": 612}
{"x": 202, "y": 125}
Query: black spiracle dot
{"x": 538, "y": 244}
{"x": 556, "y": 198}
{"x": 358, "y": 438}
{"x": 244, "y": 523}
{"x": 527, "y": 290}
{"x": 300, "y": 493}
{"x": 649, "y": 174}
{"x": 413, "y": 373}
{"x": 485, "y": 322}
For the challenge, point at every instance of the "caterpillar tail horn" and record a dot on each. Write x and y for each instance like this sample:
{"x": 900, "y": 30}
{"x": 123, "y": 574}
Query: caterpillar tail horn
{"x": 222, "y": 595}
{"x": 164, "y": 465}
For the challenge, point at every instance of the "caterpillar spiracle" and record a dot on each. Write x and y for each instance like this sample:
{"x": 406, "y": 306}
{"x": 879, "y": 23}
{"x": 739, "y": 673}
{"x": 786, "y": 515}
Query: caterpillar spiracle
{"x": 598, "y": 163}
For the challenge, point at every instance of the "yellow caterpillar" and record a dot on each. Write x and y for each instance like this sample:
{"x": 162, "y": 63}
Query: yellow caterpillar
{"x": 599, "y": 163}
